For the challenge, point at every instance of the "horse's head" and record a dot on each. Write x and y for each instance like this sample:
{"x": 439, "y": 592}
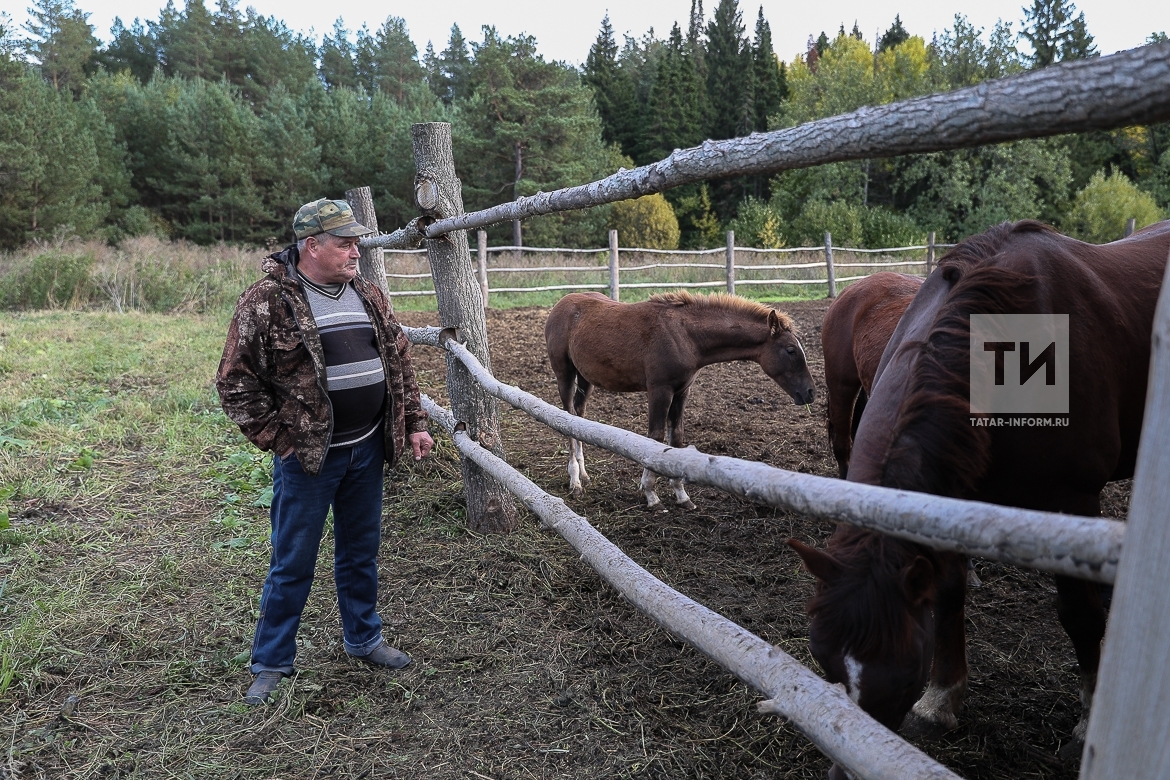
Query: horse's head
{"x": 782, "y": 358}
{"x": 872, "y": 626}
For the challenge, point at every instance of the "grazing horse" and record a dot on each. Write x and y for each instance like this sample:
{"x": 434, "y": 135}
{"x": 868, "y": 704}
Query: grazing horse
{"x": 857, "y": 327}
{"x": 657, "y": 346}
{"x": 887, "y": 613}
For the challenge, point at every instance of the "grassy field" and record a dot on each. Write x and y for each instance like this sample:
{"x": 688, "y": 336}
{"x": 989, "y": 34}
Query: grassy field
{"x": 133, "y": 546}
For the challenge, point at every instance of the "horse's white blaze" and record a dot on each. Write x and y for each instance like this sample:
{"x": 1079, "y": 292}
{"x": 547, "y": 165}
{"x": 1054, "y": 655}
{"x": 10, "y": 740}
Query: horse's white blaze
{"x": 647, "y": 486}
{"x": 853, "y": 670}
{"x": 941, "y": 705}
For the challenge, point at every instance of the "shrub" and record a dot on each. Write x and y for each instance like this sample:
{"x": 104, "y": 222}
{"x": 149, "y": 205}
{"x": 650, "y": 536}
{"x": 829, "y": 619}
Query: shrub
{"x": 882, "y": 229}
{"x": 647, "y": 222}
{"x": 1101, "y": 209}
{"x": 841, "y": 219}
{"x": 758, "y": 225}
{"x": 52, "y": 279}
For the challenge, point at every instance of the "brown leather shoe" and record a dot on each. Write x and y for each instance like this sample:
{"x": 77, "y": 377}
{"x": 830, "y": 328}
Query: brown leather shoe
{"x": 385, "y": 656}
{"x": 262, "y": 688}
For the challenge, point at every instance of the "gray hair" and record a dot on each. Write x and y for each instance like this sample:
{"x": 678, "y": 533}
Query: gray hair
{"x": 320, "y": 240}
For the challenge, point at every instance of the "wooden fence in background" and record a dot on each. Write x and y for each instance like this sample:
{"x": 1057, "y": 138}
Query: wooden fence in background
{"x": 731, "y": 270}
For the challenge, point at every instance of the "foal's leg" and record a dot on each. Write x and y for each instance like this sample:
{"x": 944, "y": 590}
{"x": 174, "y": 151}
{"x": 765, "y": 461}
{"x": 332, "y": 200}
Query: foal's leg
{"x": 577, "y": 449}
{"x": 569, "y": 386}
{"x": 674, "y": 420}
{"x": 659, "y": 399}
{"x": 1081, "y": 613}
{"x": 939, "y": 705}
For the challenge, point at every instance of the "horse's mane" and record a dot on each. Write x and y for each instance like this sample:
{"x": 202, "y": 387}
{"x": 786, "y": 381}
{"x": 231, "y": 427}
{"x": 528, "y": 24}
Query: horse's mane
{"x": 934, "y": 447}
{"x": 856, "y": 616}
{"x": 725, "y": 302}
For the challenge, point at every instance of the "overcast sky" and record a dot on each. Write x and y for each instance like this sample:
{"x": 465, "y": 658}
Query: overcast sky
{"x": 565, "y": 30}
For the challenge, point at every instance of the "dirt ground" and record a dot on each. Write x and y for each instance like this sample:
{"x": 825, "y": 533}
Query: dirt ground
{"x": 636, "y": 702}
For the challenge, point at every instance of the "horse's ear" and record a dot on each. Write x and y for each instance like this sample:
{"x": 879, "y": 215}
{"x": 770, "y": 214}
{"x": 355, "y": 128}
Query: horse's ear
{"x": 819, "y": 563}
{"x": 918, "y": 581}
{"x": 774, "y": 325}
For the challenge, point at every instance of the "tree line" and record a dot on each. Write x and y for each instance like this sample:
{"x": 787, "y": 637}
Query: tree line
{"x": 214, "y": 125}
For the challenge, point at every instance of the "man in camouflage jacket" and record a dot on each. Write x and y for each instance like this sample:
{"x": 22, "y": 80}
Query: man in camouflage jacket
{"x": 281, "y": 382}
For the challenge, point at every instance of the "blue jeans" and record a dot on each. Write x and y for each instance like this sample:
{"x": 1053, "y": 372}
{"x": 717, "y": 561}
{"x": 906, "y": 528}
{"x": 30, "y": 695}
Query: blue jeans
{"x": 351, "y": 482}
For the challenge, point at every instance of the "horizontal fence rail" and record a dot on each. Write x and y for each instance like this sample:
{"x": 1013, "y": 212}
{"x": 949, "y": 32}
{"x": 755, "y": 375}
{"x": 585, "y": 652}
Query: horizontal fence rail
{"x": 1128, "y": 88}
{"x": 1083, "y": 547}
{"x": 822, "y": 712}
{"x": 876, "y": 265}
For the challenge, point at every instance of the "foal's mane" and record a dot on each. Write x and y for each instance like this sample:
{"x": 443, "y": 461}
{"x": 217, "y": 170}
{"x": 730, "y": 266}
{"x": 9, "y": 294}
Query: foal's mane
{"x": 723, "y": 302}
{"x": 934, "y": 447}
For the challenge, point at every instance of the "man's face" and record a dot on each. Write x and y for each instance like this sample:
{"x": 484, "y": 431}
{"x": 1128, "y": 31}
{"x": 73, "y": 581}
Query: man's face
{"x": 329, "y": 259}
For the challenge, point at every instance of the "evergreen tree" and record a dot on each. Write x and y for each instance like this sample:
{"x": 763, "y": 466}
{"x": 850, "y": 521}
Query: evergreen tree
{"x": 273, "y": 55}
{"x": 1047, "y": 25}
{"x": 396, "y": 69}
{"x": 519, "y": 103}
{"x": 133, "y": 49}
{"x": 62, "y": 45}
{"x": 893, "y": 36}
{"x": 186, "y": 41}
{"x": 675, "y": 114}
{"x": 696, "y": 52}
{"x": 337, "y": 58}
{"x": 729, "y": 73}
{"x": 290, "y": 171}
{"x": 449, "y": 71}
{"x": 856, "y": 32}
{"x": 771, "y": 86}
{"x": 613, "y": 91}
{"x": 1078, "y": 44}
{"x": 822, "y": 43}
{"x": 49, "y": 163}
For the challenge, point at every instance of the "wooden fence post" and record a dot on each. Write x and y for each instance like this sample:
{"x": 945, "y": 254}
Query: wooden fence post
{"x": 490, "y": 507}
{"x": 930, "y": 253}
{"x": 481, "y": 263}
{"x": 613, "y": 265}
{"x": 829, "y": 264}
{"x": 372, "y": 263}
{"x": 1130, "y": 226}
{"x": 1130, "y": 718}
{"x": 731, "y": 262}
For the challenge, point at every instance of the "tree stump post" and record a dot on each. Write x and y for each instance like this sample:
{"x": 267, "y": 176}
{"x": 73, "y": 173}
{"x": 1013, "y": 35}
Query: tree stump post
{"x": 930, "y": 253}
{"x": 481, "y": 263}
{"x": 829, "y": 264}
{"x": 731, "y": 262}
{"x": 613, "y": 265}
{"x": 490, "y": 507}
{"x": 372, "y": 263}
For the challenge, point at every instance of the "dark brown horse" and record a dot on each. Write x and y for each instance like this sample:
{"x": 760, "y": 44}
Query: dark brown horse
{"x": 657, "y": 346}
{"x": 856, "y": 329}
{"x": 888, "y": 614}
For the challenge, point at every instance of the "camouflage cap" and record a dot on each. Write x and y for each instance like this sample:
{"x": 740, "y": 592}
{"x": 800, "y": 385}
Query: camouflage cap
{"x": 327, "y": 216}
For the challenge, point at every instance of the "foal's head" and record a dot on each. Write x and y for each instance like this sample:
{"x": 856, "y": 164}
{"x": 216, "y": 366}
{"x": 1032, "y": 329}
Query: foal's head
{"x": 782, "y": 358}
{"x": 872, "y": 626}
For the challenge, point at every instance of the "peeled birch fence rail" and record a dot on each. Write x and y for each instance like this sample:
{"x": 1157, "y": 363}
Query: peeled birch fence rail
{"x": 1083, "y": 547}
{"x": 822, "y": 712}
